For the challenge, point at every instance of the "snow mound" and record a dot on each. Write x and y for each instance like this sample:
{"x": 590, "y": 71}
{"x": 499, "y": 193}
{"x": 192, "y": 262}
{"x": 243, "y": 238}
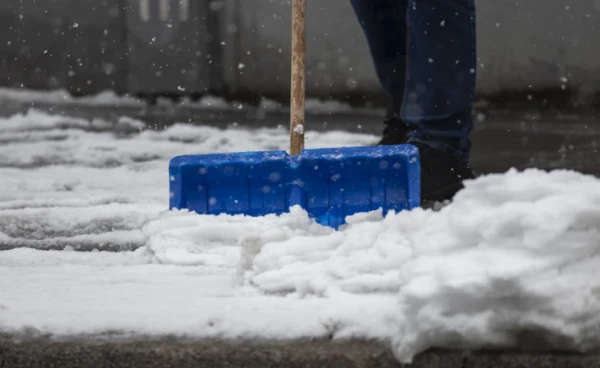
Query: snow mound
{"x": 185, "y": 238}
{"x": 515, "y": 256}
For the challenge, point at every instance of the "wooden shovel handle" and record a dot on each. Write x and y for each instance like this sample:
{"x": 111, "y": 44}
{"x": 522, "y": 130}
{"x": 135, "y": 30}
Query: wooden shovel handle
{"x": 297, "y": 126}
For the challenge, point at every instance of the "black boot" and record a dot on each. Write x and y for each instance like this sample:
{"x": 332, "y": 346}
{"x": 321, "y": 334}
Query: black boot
{"x": 442, "y": 175}
{"x": 395, "y": 130}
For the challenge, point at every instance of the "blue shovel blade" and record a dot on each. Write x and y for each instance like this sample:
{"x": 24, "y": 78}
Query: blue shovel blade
{"x": 329, "y": 183}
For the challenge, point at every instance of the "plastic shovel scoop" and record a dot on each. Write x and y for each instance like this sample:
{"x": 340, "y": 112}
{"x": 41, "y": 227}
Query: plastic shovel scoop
{"x": 330, "y": 184}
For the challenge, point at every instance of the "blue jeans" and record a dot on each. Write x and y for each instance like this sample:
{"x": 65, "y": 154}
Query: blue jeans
{"x": 425, "y": 56}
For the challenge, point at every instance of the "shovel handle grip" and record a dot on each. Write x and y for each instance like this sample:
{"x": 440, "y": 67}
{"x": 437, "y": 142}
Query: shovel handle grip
{"x": 297, "y": 127}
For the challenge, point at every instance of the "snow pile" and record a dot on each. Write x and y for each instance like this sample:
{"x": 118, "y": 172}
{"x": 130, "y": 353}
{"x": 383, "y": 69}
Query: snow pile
{"x": 516, "y": 256}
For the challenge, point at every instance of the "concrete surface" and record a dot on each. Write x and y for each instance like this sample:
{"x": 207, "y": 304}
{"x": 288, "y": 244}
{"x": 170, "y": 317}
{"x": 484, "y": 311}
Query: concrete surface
{"x": 347, "y": 354}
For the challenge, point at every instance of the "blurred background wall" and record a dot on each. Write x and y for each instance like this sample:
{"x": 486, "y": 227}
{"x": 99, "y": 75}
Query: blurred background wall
{"x": 240, "y": 48}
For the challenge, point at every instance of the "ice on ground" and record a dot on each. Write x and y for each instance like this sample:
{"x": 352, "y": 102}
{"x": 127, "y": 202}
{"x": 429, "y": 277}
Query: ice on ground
{"x": 514, "y": 261}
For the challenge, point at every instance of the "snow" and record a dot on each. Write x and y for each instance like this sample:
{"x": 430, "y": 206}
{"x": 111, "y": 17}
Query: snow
{"x": 71, "y": 181}
{"x": 317, "y": 106}
{"x": 61, "y": 96}
{"x": 515, "y": 252}
{"x": 104, "y": 98}
{"x": 514, "y": 261}
{"x": 299, "y": 129}
{"x": 326, "y": 107}
{"x": 110, "y": 98}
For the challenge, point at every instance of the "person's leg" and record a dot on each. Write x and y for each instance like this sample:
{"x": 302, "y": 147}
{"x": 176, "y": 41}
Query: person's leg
{"x": 441, "y": 74}
{"x": 434, "y": 77}
{"x": 384, "y": 25}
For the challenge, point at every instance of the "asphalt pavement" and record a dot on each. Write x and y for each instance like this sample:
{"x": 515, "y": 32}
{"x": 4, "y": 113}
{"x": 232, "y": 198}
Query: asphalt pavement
{"x": 249, "y": 354}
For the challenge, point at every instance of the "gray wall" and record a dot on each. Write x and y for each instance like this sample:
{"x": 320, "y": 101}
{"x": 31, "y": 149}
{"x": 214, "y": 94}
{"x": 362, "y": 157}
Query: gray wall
{"x": 44, "y": 46}
{"x": 88, "y": 46}
{"x": 244, "y": 46}
{"x": 522, "y": 45}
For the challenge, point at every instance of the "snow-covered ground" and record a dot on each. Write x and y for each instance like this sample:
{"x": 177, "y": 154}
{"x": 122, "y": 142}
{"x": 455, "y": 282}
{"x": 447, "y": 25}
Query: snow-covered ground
{"x": 514, "y": 261}
{"x": 110, "y": 98}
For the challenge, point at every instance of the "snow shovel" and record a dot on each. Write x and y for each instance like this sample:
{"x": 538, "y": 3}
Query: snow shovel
{"x": 330, "y": 184}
